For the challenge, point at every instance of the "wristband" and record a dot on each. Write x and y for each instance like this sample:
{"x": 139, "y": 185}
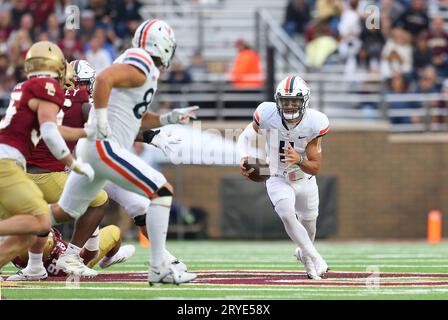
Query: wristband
{"x": 302, "y": 159}
{"x": 164, "y": 119}
{"x": 148, "y": 135}
{"x": 101, "y": 115}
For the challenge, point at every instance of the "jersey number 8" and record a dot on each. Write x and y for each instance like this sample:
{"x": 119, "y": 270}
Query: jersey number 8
{"x": 142, "y": 107}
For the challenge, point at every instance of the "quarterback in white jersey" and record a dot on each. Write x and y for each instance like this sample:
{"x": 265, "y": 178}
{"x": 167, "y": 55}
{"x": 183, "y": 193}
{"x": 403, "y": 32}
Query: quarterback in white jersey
{"x": 122, "y": 95}
{"x": 293, "y": 146}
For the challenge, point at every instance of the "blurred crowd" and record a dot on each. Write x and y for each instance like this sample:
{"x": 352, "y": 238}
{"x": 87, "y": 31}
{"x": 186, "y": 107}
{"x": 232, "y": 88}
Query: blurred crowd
{"x": 400, "y": 42}
{"x": 95, "y": 30}
{"x": 87, "y": 33}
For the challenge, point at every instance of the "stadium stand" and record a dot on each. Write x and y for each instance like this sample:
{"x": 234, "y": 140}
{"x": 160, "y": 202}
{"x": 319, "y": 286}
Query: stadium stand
{"x": 351, "y": 73}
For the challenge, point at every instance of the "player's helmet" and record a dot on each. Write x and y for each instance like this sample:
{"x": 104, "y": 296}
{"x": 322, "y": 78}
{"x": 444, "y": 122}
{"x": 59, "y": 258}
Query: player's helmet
{"x": 84, "y": 74}
{"x": 44, "y": 58}
{"x": 156, "y": 37}
{"x": 292, "y": 97}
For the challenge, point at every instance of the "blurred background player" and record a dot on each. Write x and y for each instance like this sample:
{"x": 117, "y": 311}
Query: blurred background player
{"x": 293, "y": 142}
{"x": 31, "y": 114}
{"x": 107, "y": 252}
{"x": 122, "y": 95}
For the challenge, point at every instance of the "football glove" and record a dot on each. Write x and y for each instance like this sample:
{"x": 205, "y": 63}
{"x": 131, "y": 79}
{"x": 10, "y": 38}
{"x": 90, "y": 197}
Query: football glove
{"x": 179, "y": 115}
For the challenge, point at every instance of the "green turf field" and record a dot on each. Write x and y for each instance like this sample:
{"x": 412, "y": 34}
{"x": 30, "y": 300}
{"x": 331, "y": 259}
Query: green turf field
{"x": 266, "y": 270}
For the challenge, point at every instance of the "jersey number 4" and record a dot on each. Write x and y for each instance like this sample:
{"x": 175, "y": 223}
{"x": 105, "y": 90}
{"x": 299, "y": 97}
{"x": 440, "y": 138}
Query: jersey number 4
{"x": 142, "y": 107}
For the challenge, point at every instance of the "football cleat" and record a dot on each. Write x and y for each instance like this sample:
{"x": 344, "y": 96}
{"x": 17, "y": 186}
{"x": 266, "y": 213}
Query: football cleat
{"x": 168, "y": 274}
{"x": 73, "y": 264}
{"x": 176, "y": 263}
{"x": 123, "y": 254}
{"x": 321, "y": 266}
{"x": 308, "y": 263}
{"x": 27, "y": 275}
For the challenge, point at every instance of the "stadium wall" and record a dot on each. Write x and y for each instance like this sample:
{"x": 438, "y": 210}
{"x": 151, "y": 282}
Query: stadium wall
{"x": 387, "y": 182}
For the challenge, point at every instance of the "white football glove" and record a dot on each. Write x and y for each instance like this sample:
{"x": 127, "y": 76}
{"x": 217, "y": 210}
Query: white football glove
{"x": 103, "y": 130}
{"x": 179, "y": 115}
{"x": 83, "y": 168}
{"x": 165, "y": 141}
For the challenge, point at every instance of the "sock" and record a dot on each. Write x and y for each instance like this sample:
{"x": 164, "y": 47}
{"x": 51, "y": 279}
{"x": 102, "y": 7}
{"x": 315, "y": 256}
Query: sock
{"x": 295, "y": 230}
{"x": 310, "y": 226}
{"x": 93, "y": 244}
{"x": 157, "y": 219}
{"x": 35, "y": 261}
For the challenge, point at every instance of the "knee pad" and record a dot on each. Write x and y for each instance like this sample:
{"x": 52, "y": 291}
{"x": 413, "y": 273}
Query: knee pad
{"x": 140, "y": 221}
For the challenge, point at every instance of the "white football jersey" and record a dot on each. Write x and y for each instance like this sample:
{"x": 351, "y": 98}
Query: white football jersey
{"x": 127, "y": 105}
{"x": 278, "y": 134}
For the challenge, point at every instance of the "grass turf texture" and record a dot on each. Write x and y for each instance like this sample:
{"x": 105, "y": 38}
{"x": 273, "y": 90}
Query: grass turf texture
{"x": 266, "y": 270}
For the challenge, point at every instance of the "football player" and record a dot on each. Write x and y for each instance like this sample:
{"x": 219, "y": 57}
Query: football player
{"x": 49, "y": 174}
{"x": 294, "y": 147}
{"x": 122, "y": 95}
{"x": 31, "y": 115}
{"x": 108, "y": 252}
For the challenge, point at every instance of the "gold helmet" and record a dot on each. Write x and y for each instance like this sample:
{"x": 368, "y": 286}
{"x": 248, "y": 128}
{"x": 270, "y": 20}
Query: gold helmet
{"x": 69, "y": 82}
{"x": 45, "y": 58}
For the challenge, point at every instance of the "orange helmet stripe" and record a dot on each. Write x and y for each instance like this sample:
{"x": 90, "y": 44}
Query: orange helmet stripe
{"x": 145, "y": 31}
{"x": 288, "y": 82}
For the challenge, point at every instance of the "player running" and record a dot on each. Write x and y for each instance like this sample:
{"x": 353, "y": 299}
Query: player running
{"x": 50, "y": 176}
{"x": 31, "y": 115}
{"x": 122, "y": 95}
{"x": 293, "y": 141}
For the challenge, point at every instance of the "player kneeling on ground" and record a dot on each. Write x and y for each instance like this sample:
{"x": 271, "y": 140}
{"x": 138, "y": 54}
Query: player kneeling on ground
{"x": 293, "y": 141}
{"x": 103, "y": 248}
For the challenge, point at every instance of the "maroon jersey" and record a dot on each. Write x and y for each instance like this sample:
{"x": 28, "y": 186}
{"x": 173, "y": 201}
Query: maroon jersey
{"x": 59, "y": 247}
{"x": 72, "y": 117}
{"x": 20, "y": 127}
{"x": 438, "y": 42}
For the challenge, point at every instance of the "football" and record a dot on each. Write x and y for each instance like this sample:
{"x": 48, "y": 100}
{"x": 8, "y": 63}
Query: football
{"x": 261, "y": 169}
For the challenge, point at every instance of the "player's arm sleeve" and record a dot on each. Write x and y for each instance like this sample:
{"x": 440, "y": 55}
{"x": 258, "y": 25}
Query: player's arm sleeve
{"x": 322, "y": 126}
{"x": 140, "y": 59}
{"x": 54, "y": 140}
{"x": 85, "y": 109}
{"x": 246, "y": 141}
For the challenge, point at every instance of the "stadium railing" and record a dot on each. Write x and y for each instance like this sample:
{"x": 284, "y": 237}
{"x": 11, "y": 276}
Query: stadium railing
{"x": 342, "y": 98}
